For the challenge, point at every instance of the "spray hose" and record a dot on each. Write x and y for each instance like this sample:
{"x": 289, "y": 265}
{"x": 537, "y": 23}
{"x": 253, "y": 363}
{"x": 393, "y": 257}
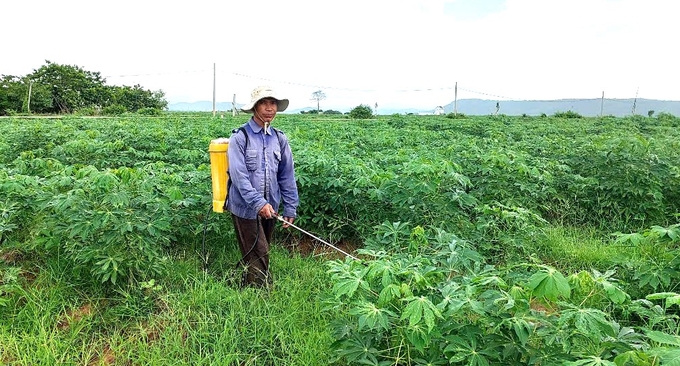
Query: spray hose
{"x": 316, "y": 237}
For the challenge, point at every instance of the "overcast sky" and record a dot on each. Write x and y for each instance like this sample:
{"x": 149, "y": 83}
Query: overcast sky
{"x": 396, "y": 53}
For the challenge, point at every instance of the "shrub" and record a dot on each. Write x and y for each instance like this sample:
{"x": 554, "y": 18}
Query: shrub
{"x": 114, "y": 110}
{"x": 668, "y": 119}
{"x": 150, "y": 112}
{"x": 361, "y": 111}
{"x": 665, "y": 116}
{"x": 456, "y": 115}
{"x": 567, "y": 114}
{"x": 396, "y": 121}
{"x": 89, "y": 111}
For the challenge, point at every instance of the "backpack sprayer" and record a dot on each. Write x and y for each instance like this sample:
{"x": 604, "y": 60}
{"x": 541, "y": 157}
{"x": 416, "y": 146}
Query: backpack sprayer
{"x": 219, "y": 166}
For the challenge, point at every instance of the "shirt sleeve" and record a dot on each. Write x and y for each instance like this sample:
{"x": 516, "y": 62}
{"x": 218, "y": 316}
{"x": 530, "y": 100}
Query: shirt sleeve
{"x": 286, "y": 179}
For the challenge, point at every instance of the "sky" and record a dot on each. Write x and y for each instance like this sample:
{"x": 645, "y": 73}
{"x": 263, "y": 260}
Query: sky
{"x": 389, "y": 53}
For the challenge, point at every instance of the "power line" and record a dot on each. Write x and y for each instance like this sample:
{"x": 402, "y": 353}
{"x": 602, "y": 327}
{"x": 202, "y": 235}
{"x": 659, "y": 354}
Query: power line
{"x": 358, "y": 90}
{"x": 157, "y": 73}
{"x": 305, "y": 85}
{"x": 487, "y": 94}
{"x": 347, "y": 89}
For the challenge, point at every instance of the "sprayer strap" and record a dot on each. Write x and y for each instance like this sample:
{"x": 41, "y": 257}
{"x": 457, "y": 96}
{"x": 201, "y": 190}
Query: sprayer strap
{"x": 245, "y": 134}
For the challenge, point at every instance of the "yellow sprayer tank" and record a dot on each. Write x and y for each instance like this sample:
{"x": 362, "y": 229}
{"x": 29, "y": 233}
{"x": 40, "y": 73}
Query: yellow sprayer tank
{"x": 218, "y": 171}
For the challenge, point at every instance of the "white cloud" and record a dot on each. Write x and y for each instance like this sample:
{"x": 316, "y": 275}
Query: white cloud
{"x": 406, "y": 53}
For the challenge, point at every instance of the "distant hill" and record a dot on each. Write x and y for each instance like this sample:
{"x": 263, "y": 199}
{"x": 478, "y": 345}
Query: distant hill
{"x": 478, "y": 107}
{"x": 584, "y": 107}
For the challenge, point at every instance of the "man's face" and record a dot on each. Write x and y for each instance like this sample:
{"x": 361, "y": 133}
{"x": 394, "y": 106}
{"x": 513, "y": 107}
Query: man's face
{"x": 265, "y": 110}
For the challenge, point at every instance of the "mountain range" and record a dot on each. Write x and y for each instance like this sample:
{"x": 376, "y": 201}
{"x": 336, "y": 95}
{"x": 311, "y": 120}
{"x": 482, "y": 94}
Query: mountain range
{"x": 474, "y": 107}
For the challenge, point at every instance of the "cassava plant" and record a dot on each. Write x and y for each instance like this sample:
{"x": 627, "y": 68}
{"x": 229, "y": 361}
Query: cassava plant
{"x": 424, "y": 298}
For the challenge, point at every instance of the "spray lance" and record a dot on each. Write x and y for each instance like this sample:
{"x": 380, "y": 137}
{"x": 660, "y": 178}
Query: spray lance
{"x": 315, "y": 237}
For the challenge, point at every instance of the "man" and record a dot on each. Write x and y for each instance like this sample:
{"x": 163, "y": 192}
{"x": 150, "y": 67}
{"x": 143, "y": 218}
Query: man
{"x": 262, "y": 176}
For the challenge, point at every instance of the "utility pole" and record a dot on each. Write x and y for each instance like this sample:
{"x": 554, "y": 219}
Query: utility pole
{"x": 602, "y": 104}
{"x": 30, "y": 89}
{"x": 455, "y": 99}
{"x": 635, "y": 100}
{"x": 233, "y": 106}
{"x": 214, "y": 77}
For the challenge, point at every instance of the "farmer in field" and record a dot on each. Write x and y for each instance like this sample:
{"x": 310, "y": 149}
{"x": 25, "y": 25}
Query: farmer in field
{"x": 262, "y": 178}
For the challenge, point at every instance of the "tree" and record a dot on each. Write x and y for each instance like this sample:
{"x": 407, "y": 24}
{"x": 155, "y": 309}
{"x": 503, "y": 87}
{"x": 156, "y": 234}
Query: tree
{"x": 318, "y": 96}
{"x": 59, "y": 88}
{"x": 136, "y": 98}
{"x": 361, "y": 112}
{"x": 71, "y": 87}
{"x": 16, "y": 91}
{"x": 11, "y": 93}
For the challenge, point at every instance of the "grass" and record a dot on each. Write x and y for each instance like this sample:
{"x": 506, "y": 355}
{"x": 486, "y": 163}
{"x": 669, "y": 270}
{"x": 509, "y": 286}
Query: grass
{"x": 579, "y": 248}
{"x": 189, "y": 318}
{"x": 196, "y": 317}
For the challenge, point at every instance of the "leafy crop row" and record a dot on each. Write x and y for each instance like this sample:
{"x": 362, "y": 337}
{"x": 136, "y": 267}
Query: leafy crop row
{"x": 447, "y": 211}
{"x": 427, "y": 297}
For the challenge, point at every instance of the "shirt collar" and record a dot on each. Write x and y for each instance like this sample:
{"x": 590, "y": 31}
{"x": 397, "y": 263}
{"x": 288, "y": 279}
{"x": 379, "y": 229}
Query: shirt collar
{"x": 256, "y": 128}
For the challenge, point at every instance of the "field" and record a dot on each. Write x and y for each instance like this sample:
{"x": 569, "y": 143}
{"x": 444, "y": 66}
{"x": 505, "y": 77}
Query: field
{"x": 482, "y": 240}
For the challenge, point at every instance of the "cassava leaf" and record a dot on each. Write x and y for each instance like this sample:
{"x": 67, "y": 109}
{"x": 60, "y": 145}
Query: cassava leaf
{"x": 664, "y": 338}
{"x": 549, "y": 283}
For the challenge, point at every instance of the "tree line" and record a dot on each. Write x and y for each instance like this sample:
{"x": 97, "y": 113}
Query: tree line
{"x": 64, "y": 89}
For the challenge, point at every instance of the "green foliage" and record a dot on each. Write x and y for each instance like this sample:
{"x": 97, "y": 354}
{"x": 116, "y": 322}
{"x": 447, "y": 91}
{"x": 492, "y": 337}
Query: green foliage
{"x": 71, "y": 87}
{"x": 14, "y": 96}
{"x": 114, "y": 110}
{"x": 136, "y": 98}
{"x": 397, "y": 121}
{"x": 89, "y": 111}
{"x": 621, "y": 179}
{"x": 549, "y": 284}
{"x": 361, "y": 112}
{"x": 106, "y": 222}
{"x": 185, "y": 318}
{"x": 430, "y": 298}
{"x": 56, "y": 88}
{"x": 456, "y": 115}
{"x": 657, "y": 253}
{"x": 9, "y": 283}
{"x": 150, "y": 112}
{"x": 668, "y": 119}
{"x": 11, "y": 94}
{"x": 449, "y": 216}
{"x": 567, "y": 114}
{"x": 8, "y": 211}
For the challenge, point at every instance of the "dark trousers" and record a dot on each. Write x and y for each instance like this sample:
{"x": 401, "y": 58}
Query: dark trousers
{"x": 254, "y": 236}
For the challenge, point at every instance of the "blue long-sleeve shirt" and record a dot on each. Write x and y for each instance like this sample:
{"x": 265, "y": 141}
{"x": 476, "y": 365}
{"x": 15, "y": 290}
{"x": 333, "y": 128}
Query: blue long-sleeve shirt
{"x": 263, "y": 173}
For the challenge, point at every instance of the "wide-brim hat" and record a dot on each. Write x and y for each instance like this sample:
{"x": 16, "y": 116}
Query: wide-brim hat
{"x": 262, "y": 92}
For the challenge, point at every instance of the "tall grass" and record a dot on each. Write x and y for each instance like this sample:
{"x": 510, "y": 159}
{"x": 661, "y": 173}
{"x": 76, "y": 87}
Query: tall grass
{"x": 191, "y": 317}
{"x": 579, "y": 248}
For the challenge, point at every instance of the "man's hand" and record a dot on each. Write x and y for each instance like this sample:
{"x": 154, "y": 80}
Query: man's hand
{"x": 267, "y": 212}
{"x": 288, "y": 220}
